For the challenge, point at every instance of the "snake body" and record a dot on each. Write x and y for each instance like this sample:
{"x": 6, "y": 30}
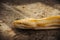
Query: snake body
{"x": 37, "y": 23}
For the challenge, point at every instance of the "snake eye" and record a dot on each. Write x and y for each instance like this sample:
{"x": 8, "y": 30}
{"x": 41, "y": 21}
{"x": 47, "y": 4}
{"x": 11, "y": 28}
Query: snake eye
{"x": 19, "y": 23}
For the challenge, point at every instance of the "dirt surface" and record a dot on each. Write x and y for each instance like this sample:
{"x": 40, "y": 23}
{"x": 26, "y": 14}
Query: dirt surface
{"x": 30, "y": 8}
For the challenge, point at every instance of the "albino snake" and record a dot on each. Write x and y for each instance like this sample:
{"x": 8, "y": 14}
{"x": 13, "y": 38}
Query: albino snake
{"x": 32, "y": 23}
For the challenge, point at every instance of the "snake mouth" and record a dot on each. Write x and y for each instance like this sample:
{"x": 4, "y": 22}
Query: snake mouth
{"x": 43, "y": 23}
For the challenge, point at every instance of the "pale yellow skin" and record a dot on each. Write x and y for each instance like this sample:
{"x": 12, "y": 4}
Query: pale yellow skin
{"x": 37, "y": 23}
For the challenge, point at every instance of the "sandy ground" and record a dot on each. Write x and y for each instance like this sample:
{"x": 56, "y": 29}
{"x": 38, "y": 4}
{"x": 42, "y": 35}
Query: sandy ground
{"x": 30, "y": 9}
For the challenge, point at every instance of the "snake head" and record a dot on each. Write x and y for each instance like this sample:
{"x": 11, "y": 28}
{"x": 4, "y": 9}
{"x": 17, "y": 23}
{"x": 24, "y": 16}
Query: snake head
{"x": 37, "y": 23}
